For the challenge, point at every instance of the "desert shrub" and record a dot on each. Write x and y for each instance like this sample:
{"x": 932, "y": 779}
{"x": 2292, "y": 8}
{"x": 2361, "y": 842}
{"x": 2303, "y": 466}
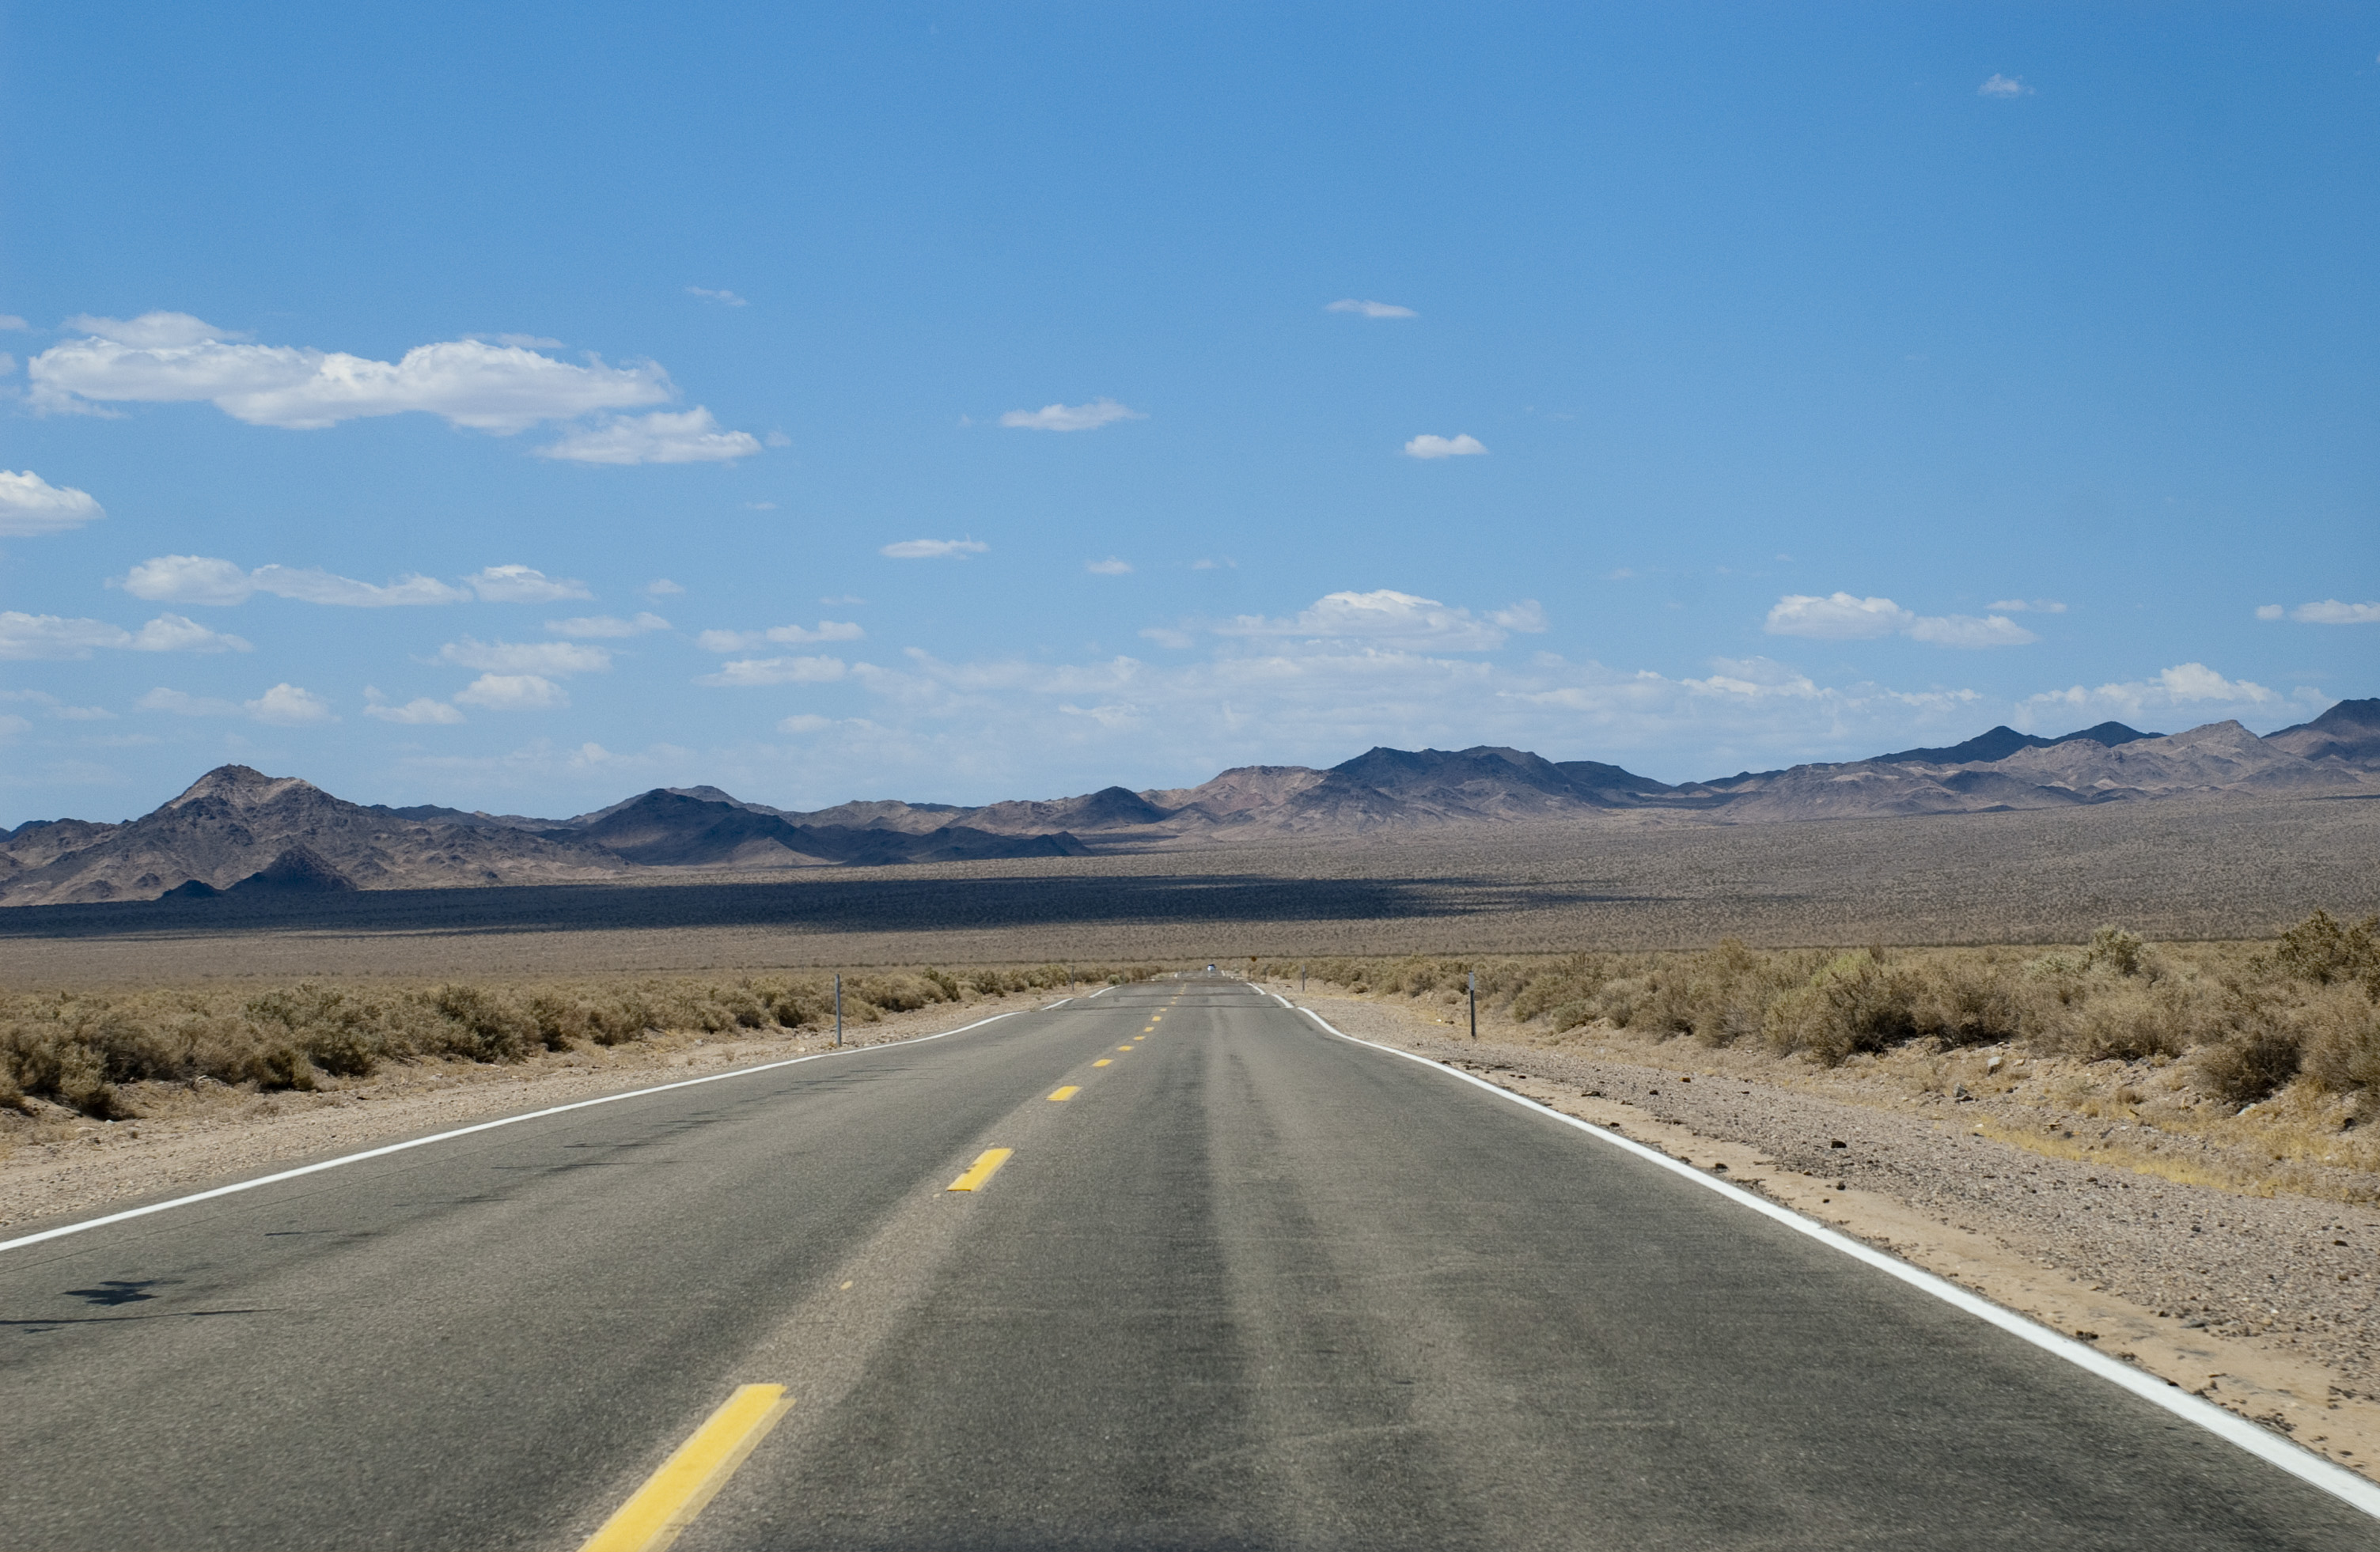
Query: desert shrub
{"x": 484, "y": 1024}
{"x": 2341, "y": 1039}
{"x": 2251, "y": 1064}
{"x": 1855, "y": 1002}
{"x": 2322, "y": 951}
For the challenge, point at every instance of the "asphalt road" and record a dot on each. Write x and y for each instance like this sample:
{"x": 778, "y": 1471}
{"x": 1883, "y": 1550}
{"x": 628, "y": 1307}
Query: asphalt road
{"x": 1251, "y": 1286}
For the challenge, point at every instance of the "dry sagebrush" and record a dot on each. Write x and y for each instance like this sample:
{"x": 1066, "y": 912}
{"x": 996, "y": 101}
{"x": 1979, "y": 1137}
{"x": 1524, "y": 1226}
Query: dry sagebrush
{"x": 81, "y": 1050}
{"x": 2251, "y": 1017}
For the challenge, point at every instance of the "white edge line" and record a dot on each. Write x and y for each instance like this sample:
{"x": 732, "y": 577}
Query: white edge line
{"x": 2295, "y": 1458}
{"x": 1059, "y": 1003}
{"x": 238, "y": 1186}
{"x": 1101, "y": 992}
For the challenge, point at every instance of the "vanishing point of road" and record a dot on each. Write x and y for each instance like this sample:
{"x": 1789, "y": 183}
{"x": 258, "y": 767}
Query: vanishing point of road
{"x": 1221, "y": 1280}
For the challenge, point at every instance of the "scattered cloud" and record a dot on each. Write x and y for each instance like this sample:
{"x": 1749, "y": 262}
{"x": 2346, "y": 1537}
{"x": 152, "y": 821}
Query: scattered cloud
{"x": 725, "y": 298}
{"x": 1071, "y": 418}
{"x": 1109, "y": 567}
{"x": 287, "y": 706}
{"x": 2329, "y": 612}
{"x": 2004, "y": 86}
{"x": 1370, "y": 310}
{"x": 934, "y": 548}
{"x": 605, "y": 627}
{"x": 10, "y": 322}
{"x": 2193, "y": 689}
{"x": 47, "y": 635}
{"x": 1386, "y": 615}
{"x": 782, "y": 636}
{"x": 30, "y": 504}
{"x": 1165, "y": 636}
{"x": 1843, "y": 617}
{"x": 661, "y": 586}
{"x": 163, "y": 357}
{"x": 208, "y": 580}
{"x": 663, "y": 437}
{"x": 805, "y": 723}
{"x": 1429, "y": 446}
{"x": 520, "y": 583}
{"x": 745, "y": 673}
{"x": 559, "y": 659}
{"x": 512, "y": 692}
{"x": 843, "y": 597}
{"x": 1225, "y": 563}
{"x": 284, "y": 705}
{"x": 527, "y": 341}
{"x": 2271, "y": 612}
{"x": 2020, "y": 606}
{"x": 422, "y": 711}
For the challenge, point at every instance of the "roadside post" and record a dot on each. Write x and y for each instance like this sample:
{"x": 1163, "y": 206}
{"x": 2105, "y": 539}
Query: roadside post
{"x": 1474, "y": 989}
{"x": 838, "y": 1009}
{"x": 1301, "y": 980}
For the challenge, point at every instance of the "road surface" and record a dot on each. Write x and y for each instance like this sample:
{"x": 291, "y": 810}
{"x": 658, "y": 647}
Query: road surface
{"x": 1247, "y": 1285}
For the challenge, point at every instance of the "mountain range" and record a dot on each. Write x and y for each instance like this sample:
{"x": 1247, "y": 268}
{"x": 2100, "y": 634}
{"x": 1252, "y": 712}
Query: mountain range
{"x": 241, "y": 832}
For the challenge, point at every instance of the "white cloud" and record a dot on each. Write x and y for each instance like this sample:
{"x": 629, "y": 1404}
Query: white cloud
{"x": 1386, "y": 615}
{"x": 783, "y": 635}
{"x": 205, "y": 579}
{"x": 661, "y": 586}
{"x": 2270, "y": 612}
{"x": 1429, "y": 446}
{"x": 1109, "y": 567}
{"x": 527, "y": 341}
{"x": 30, "y": 504}
{"x": 2020, "y": 606}
{"x": 1071, "y": 418}
{"x": 164, "y": 357}
{"x": 1844, "y": 618}
{"x": 513, "y": 692}
{"x": 725, "y": 298}
{"x": 11, "y": 321}
{"x": 11, "y": 726}
{"x": 2004, "y": 86}
{"x": 520, "y": 583}
{"x": 284, "y": 705}
{"x": 558, "y": 659}
{"x": 2330, "y": 611}
{"x": 2193, "y": 688}
{"x": 174, "y": 633}
{"x": 1165, "y": 636}
{"x": 287, "y": 706}
{"x": 607, "y": 626}
{"x": 59, "y": 708}
{"x": 663, "y": 437}
{"x": 1371, "y": 310}
{"x": 47, "y": 635}
{"x": 934, "y": 548}
{"x": 1967, "y": 630}
{"x": 420, "y": 711}
{"x": 744, "y": 672}
{"x": 805, "y": 723}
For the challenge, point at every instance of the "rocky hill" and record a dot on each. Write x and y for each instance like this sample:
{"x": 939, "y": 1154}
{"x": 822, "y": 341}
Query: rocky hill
{"x": 240, "y": 830}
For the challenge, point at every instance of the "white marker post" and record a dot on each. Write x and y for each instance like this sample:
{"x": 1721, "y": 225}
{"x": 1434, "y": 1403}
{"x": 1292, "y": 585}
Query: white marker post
{"x": 838, "y": 1008}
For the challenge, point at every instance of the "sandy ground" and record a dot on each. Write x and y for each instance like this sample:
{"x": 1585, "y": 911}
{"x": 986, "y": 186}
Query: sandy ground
{"x": 2262, "y": 1304}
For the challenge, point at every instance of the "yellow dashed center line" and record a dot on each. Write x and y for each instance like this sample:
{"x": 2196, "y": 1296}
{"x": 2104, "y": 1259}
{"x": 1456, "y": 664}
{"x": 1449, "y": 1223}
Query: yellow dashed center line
{"x": 671, "y": 1496}
{"x": 1124, "y": 1048}
{"x": 986, "y": 1164}
{"x": 1103, "y": 1062}
{"x": 1067, "y": 1093}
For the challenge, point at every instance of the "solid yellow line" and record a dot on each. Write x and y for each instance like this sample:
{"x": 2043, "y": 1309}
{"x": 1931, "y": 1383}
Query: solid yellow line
{"x": 1068, "y": 1092}
{"x": 672, "y": 1496}
{"x": 986, "y": 1164}
{"x": 1103, "y": 1062}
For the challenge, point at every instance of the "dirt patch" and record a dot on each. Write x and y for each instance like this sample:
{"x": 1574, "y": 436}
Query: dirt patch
{"x": 2262, "y": 1302}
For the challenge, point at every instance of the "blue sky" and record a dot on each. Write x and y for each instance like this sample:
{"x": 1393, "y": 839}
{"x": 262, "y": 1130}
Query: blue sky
{"x": 517, "y": 407}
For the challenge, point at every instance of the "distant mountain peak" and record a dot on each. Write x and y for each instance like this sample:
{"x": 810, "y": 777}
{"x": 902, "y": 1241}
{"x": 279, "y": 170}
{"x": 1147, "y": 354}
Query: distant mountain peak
{"x": 242, "y": 786}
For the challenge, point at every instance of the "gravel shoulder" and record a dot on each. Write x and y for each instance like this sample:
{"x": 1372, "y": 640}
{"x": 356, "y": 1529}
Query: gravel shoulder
{"x": 2261, "y": 1303}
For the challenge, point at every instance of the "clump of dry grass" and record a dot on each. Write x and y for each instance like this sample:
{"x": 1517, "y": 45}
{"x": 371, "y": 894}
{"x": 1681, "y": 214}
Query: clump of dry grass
{"x": 2251, "y": 1019}
{"x": 81, "y": 1050}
